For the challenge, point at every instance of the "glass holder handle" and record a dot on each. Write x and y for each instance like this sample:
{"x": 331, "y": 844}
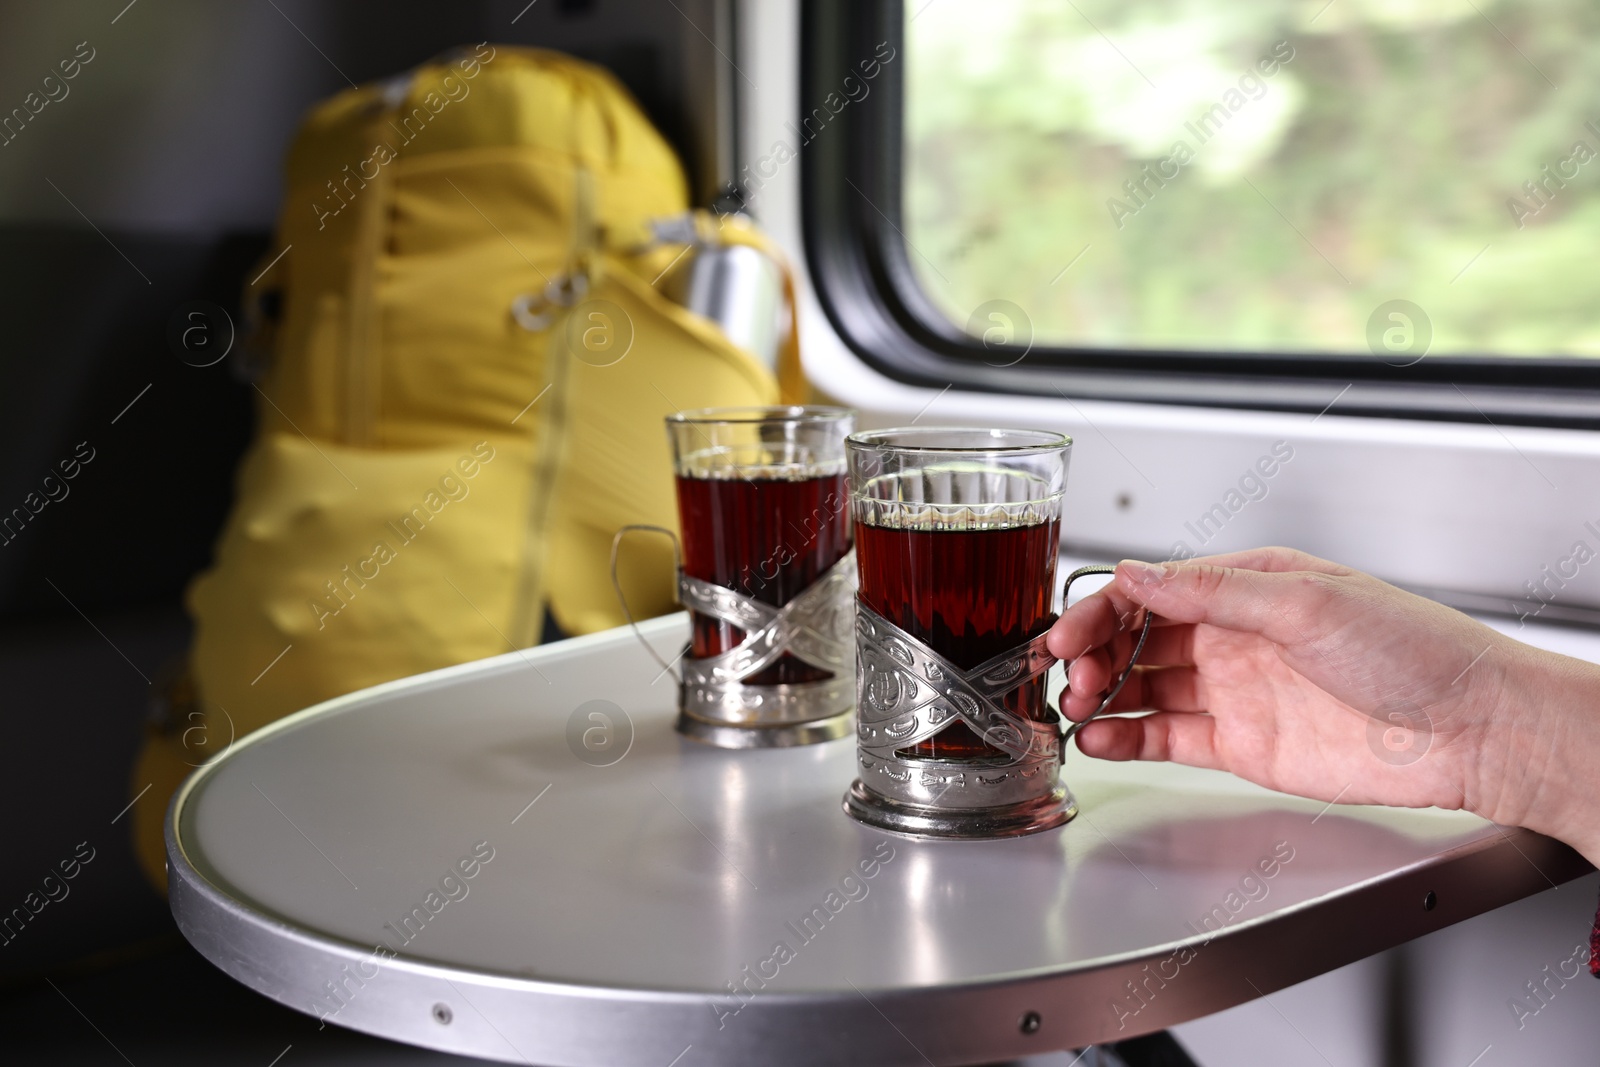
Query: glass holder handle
{"x": 1133, "y": 660}
{"x": 622, "y": 599}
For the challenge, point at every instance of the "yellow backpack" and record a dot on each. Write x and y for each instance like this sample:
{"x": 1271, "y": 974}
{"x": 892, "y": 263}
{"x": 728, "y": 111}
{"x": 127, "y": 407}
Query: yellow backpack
{"x": 464, "y": 399}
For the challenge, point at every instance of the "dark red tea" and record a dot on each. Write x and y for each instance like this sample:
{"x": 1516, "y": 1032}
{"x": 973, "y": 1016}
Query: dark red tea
{"x": 768, "y": 538}
{"x": 969, "y": 595}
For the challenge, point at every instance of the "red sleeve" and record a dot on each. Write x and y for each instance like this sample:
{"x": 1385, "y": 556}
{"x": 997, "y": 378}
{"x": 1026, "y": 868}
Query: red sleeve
{"x": 1594, "y": 947}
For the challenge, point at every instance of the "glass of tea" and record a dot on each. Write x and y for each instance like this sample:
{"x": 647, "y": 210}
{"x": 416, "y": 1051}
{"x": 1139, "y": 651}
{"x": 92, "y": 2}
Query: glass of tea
{"x": 768, "y": 574}
{"x": 957, "y": 534}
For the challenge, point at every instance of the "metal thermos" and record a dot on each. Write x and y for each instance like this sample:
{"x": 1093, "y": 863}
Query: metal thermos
{"x": 738, "y": 287}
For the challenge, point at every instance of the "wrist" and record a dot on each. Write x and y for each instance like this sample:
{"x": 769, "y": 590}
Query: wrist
{"x": 1548, "y": 759}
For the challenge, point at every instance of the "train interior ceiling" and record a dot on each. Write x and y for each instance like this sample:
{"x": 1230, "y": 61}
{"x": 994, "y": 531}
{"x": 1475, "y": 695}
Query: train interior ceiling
{"x": 152, "y": 180}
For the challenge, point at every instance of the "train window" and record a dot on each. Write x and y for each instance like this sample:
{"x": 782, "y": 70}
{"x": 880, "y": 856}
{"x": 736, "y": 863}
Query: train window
{"x": 1221, "y": 202}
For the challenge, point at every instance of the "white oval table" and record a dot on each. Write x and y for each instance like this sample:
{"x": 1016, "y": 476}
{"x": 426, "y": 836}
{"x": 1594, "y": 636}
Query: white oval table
{"x": 469, "y": 860}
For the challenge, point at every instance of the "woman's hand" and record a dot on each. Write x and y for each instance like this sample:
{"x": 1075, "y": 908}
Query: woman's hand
{"x": 1315, "y": 679}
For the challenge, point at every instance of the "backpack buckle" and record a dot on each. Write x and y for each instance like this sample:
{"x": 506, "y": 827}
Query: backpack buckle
{"x": 535, "y": 312}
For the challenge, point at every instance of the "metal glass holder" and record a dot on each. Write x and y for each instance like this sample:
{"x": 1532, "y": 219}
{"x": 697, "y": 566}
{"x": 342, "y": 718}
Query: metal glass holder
{"x": 907, "y": 693}
{"x": 716, "y": 705}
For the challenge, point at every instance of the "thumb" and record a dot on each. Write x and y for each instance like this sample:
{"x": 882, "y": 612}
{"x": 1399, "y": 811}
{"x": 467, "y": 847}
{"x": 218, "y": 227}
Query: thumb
{"x": 1286, "y": 607}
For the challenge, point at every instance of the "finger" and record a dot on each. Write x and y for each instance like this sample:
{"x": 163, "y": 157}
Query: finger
{"x": 1107, "y": 611}
{"x": 1091, "y": 672}
{"x": 1099, "y": 667}
{"x": 1287, "y": 608}
{"x": 1094, "y": 621}
{"x": 1177, "y": 689}
{"x": 1089, "y": 623}
{"x": 1273, "y": 560}
{"x": 1089, "y": 677}
{"x": 1171, "y": 736}
{"x": 1169, "y": 646}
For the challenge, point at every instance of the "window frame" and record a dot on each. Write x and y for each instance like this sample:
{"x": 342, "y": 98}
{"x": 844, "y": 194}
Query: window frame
{"x": 850, "y": 195}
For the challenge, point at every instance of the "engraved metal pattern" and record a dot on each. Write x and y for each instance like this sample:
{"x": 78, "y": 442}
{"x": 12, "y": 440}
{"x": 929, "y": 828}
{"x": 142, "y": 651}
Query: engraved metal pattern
{"x": 741, "y": 704}
{"x": 906, "y": 693}
{"x": 814, "y": 627}
{"x": 957, "y": 784}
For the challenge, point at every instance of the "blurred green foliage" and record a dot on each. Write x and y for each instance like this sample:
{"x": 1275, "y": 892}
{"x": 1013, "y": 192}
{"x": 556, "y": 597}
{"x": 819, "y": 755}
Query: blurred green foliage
{"x": 1379, "y": 162}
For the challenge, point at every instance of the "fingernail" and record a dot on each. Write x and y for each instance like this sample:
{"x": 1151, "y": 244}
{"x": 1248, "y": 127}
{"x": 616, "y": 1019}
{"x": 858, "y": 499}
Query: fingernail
{"x": 1146, "y": 573}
